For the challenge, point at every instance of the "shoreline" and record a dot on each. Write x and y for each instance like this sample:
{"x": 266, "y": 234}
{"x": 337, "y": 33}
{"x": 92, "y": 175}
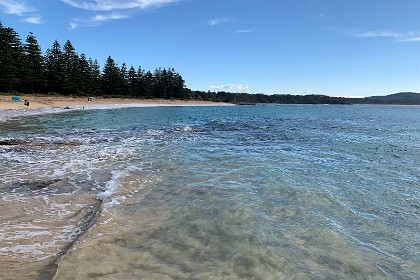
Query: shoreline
{"x": 38, "y": 102}
{"x": 40, "y": 105}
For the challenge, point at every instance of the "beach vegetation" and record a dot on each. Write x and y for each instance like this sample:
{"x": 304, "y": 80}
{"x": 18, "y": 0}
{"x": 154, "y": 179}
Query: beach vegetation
{"x": 25, "y": 69}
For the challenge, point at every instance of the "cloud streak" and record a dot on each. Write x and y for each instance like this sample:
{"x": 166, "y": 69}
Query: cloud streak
{"x": 111, "y": 5}
{"x": 18, "y": 8}
{"x": 21, "y": 9}
{"x": 219, "y": 21}
{"x": 245, "y": 30}
{"x": 396, "y": 36}
{"x": 230, "y": 87}
{"x": 96, "y": 20}
{"x": 35, "y": 19}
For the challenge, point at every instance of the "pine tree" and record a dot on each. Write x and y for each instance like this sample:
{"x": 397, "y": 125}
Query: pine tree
{"x": 110, "y": 77}
{"x": 148, "y": 80}
{"x": 157, "y": 86}
{"x": 123, "y": 81}
{"x": 72, "y": 69}
{"x": 95, "y": 72}
{"x": 11, "y": 54}
{"x": 34, "y": 70}
{"x": 133, "y": 82}
{"x": 178, "y": 86}
{"x": 85, "y": 75}
{"x": 143, "y": 88}
{"x": 55, "y": 68}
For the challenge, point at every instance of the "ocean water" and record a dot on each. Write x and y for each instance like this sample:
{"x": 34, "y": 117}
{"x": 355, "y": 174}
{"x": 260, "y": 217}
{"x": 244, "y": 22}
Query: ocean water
{"x": 218, "y": 192}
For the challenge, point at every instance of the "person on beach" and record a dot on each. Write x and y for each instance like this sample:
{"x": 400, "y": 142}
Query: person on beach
{"x": 26, "y": 103}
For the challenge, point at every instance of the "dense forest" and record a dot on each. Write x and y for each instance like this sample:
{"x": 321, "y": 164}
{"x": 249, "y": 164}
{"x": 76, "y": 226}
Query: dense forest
{"x": 61, "y": 70}
{"x": 24, "y": 68}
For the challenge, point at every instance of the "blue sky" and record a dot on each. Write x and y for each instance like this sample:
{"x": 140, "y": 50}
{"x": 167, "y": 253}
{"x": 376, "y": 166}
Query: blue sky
{"x": 332, "y": 47}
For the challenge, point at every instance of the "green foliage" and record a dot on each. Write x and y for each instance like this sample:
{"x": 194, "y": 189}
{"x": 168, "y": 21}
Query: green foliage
{"x": 34, "y": 68}
{"x": 55, "y": 68}
{"x": 23, "y": 68}
{"x": 11, "y": 56}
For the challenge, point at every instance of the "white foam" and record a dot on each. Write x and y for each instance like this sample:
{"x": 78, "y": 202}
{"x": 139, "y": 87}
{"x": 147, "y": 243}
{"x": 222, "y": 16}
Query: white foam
{"x": 188, "y": 129}
{"x": 13, "y": 114}
{"x": 111, "y": 186}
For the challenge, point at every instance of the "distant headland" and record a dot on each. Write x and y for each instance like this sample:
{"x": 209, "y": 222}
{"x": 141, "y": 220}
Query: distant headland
{"x": 401, "y": 98}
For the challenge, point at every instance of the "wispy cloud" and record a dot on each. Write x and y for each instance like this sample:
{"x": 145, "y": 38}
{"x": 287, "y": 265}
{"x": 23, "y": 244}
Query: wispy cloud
{"x": 96, "y": 20}
{"x": 18, "y": 8}
{"x": 219, "y": 21}
{"x": 35, "y": 19}
{"x": 230, "y": 87}
{"x": 412, "y": 39}
{"x": 111, "y": 5}
{"x": 22, "y": 9}
{"x": 124, "y": 6}
{"x": 112, "y": 16}
{"x": 245, "y": 30}
{"x": 396, "y": 36}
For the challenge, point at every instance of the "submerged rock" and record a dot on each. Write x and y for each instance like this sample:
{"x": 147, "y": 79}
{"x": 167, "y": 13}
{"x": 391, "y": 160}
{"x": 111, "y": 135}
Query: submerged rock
{"x": 40, "y": 184}
{"x": 17, "y": 142}
{"x": 12, "y": 142}
{"x": 34, "y": 185}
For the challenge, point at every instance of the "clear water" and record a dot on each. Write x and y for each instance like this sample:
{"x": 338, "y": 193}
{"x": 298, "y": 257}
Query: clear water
{"x": 244, "y": 192}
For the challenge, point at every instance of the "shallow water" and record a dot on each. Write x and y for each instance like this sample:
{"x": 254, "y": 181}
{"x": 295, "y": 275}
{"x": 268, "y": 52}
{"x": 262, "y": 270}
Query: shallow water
{"x": 245, "y": 192}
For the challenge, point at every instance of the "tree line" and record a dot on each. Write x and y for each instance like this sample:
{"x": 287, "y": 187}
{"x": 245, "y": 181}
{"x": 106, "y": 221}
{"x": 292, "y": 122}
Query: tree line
{"x": 246, "y": 98}
{"x": 61, "y": 70}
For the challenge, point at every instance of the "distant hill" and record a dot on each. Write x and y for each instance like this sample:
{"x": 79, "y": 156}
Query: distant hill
{"x": 407, "y": 98}
{"x": 399, "y": 96}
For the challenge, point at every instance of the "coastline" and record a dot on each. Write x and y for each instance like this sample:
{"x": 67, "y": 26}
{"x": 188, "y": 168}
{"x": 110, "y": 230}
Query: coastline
{"x": 40, "y": 105}
{"x": 37, "y": 102}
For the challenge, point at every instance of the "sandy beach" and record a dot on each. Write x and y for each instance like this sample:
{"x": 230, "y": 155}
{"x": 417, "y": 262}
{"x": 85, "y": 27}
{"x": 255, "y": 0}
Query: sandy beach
{"x": 36, "y": 102}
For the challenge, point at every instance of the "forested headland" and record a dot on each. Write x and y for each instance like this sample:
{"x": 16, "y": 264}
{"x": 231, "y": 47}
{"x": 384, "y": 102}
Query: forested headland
{"x": 25, "y": 69}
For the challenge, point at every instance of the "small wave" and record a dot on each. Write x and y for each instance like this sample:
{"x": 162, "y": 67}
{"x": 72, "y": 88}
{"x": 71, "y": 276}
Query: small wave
{"x": 155, "y": 132}
{"x": 6, "y": 115}
{"x": 111, "y": 186}
{"x": 187, "y": 129}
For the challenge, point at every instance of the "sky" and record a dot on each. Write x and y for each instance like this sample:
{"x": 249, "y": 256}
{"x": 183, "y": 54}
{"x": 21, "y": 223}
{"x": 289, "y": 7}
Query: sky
{"x": 342, "y": 48}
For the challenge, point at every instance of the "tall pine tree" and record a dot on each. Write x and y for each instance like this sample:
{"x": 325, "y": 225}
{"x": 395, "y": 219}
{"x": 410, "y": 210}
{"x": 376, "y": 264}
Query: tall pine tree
{"x": 95, "y": 71}
{"x": 110, "y": 77}
{"x": 123, "y": 83}
{"x": 55, "y": 68}
{"x": 132, "y": 82}
{"x": 72, "y": 69}
{"x": 11, "y": 54}
{"x": 34, "y": 70}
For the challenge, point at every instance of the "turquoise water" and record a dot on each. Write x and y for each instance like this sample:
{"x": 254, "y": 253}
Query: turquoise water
{"x": 243, "y": 192}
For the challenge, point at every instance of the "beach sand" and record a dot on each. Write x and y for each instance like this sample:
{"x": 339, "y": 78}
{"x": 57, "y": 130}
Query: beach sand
{"x": 36, "y": 102}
